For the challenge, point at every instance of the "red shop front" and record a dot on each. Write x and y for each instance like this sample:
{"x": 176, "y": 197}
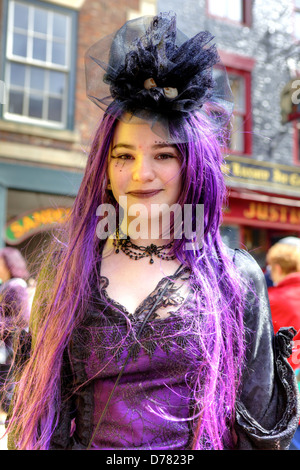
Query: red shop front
{"x": 256, "y": 221}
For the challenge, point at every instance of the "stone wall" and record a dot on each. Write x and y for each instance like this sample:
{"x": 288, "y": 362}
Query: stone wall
{"x": 269, "y": 41}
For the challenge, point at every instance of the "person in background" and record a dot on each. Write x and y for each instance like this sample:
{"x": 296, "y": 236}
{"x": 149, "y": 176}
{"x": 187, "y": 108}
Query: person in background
{"x": 283, "y": 258}
{"x": 14, "y": 311}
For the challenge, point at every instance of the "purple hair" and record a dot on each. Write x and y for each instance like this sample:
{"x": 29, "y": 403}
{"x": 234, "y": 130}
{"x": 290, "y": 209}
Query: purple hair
{"x": 15, "y": 262}
{"x": 62, "y": 297}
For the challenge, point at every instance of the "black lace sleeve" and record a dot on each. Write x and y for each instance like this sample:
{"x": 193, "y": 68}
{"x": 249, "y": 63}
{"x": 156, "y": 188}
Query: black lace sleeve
{"x": 267, "y": 411}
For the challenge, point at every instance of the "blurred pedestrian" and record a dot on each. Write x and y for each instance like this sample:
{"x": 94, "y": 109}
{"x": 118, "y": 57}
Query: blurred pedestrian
{"x": 14, "y": 311}
{"x": 283, "y": 258}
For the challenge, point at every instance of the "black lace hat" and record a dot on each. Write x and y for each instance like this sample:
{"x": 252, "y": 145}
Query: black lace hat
{"x": 150, "y": 70}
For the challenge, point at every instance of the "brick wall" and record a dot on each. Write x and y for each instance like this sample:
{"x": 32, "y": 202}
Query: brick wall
{"x": 96, "y": 20}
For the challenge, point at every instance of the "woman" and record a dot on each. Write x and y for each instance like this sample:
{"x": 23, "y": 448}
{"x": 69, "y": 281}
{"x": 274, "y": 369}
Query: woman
{"x": 14, "y": 311}
{"x": 150, "y": 334}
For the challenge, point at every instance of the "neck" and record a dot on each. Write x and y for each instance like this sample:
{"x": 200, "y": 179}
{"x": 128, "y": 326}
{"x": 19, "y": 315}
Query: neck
{"x": 141, "y": 241}
{"x": 144, "y": 236}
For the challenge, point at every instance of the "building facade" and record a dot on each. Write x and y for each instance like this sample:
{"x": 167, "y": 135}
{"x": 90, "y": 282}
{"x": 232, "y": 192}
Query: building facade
{"x": 258, "y": 42}
{"x": 46, "y": 121}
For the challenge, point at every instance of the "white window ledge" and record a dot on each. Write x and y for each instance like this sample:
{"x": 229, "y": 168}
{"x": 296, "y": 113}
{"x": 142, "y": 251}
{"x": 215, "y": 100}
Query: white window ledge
{"x": 42, "y": 155}
{"x": 73, "y": 4}
{"x": 20, "y": 128}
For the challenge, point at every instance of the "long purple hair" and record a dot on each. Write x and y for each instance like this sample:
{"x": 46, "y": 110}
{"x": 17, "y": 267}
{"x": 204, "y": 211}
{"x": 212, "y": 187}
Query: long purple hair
{"x": 62, "y": 295}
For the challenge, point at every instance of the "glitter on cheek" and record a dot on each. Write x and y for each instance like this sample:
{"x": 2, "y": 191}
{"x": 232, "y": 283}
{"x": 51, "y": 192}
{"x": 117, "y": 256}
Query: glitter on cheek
{"x": 119, "y": 165}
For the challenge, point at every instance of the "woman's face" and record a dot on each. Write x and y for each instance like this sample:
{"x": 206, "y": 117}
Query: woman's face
{"x": 143, "y": 168}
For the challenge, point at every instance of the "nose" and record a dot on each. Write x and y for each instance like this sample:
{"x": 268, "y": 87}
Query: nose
{"x": 143, "y": 170}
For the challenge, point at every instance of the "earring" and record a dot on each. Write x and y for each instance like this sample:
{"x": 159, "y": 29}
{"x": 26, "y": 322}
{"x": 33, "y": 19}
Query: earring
{"x": 108, "y": 185}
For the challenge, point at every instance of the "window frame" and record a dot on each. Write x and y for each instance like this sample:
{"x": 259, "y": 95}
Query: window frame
{"x": 70, "y": 69}
{"x": 296, "y": 151}
{"x": 247, "y": 14}
{"x": 247, "y": 115}
{"x": 296, "y": 12}
{"x": 243, "y": 66}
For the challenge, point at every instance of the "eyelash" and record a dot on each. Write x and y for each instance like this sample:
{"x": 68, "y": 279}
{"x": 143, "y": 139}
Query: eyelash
{"x": 121, "y": 157}
{"x": 128, "y": 157}
{"x": 168, "y": 155}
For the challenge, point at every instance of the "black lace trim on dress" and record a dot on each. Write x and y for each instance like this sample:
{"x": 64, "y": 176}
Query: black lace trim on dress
{"x": 172, "y": 296}
{"x": 110, "y": 330}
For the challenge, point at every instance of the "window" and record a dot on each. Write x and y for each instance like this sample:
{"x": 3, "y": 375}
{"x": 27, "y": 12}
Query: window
{"x": 297, "y": 19}
{"x": 240, "y": 82}
{"x": 297, "y": 143}
{"x": 38, "y": 65}
{"x": 234, "y": 10}
{"x": 239, "y": 70}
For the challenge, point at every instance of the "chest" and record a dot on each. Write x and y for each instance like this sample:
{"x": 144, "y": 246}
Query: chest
{"x": 130, "y": 283}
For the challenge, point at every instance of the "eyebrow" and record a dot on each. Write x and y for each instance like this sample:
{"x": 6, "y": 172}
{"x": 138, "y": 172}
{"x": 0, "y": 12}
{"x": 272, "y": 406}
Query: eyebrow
{"x": 165, "y": 144}
{"x": 126, "y": 146}
{"x": 156, "y": 146}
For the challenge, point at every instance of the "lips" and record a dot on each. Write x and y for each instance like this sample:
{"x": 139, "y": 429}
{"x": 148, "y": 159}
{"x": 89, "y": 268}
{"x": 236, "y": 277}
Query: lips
{"x": 144, "y": 193}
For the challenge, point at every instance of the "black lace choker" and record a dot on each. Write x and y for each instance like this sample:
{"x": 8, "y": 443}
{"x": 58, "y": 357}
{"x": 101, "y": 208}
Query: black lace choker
{"x": 137, "y": 252}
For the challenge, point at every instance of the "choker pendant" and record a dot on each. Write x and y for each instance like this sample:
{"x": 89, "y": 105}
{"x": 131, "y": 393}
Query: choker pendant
{"x": 137, "y": 252}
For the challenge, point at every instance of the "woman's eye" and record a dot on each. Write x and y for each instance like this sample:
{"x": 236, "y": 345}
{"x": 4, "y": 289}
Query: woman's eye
{"x": 165, "y": 156}
{"x": 122, "y": 157}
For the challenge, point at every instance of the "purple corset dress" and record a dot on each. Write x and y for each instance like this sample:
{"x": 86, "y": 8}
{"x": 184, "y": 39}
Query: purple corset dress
{"x": 150, "y": 407}
{"x": 152, "y": 404}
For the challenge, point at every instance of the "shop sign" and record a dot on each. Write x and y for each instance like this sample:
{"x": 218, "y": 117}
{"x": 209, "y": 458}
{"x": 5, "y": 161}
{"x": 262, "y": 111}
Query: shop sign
{"x": 264, "y": 214}
{"x": 264, "y": 175}
{"x": 23, "y": 227}
{"x": 273, "y": 213}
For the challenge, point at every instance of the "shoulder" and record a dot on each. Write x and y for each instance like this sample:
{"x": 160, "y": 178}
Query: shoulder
{"x": 274, "y": 292}
{"x": 251, "y": 287}
{"x": 247, "y": 265}
{"x": 290, "y": 284}
{"x": 257, "y": 307}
